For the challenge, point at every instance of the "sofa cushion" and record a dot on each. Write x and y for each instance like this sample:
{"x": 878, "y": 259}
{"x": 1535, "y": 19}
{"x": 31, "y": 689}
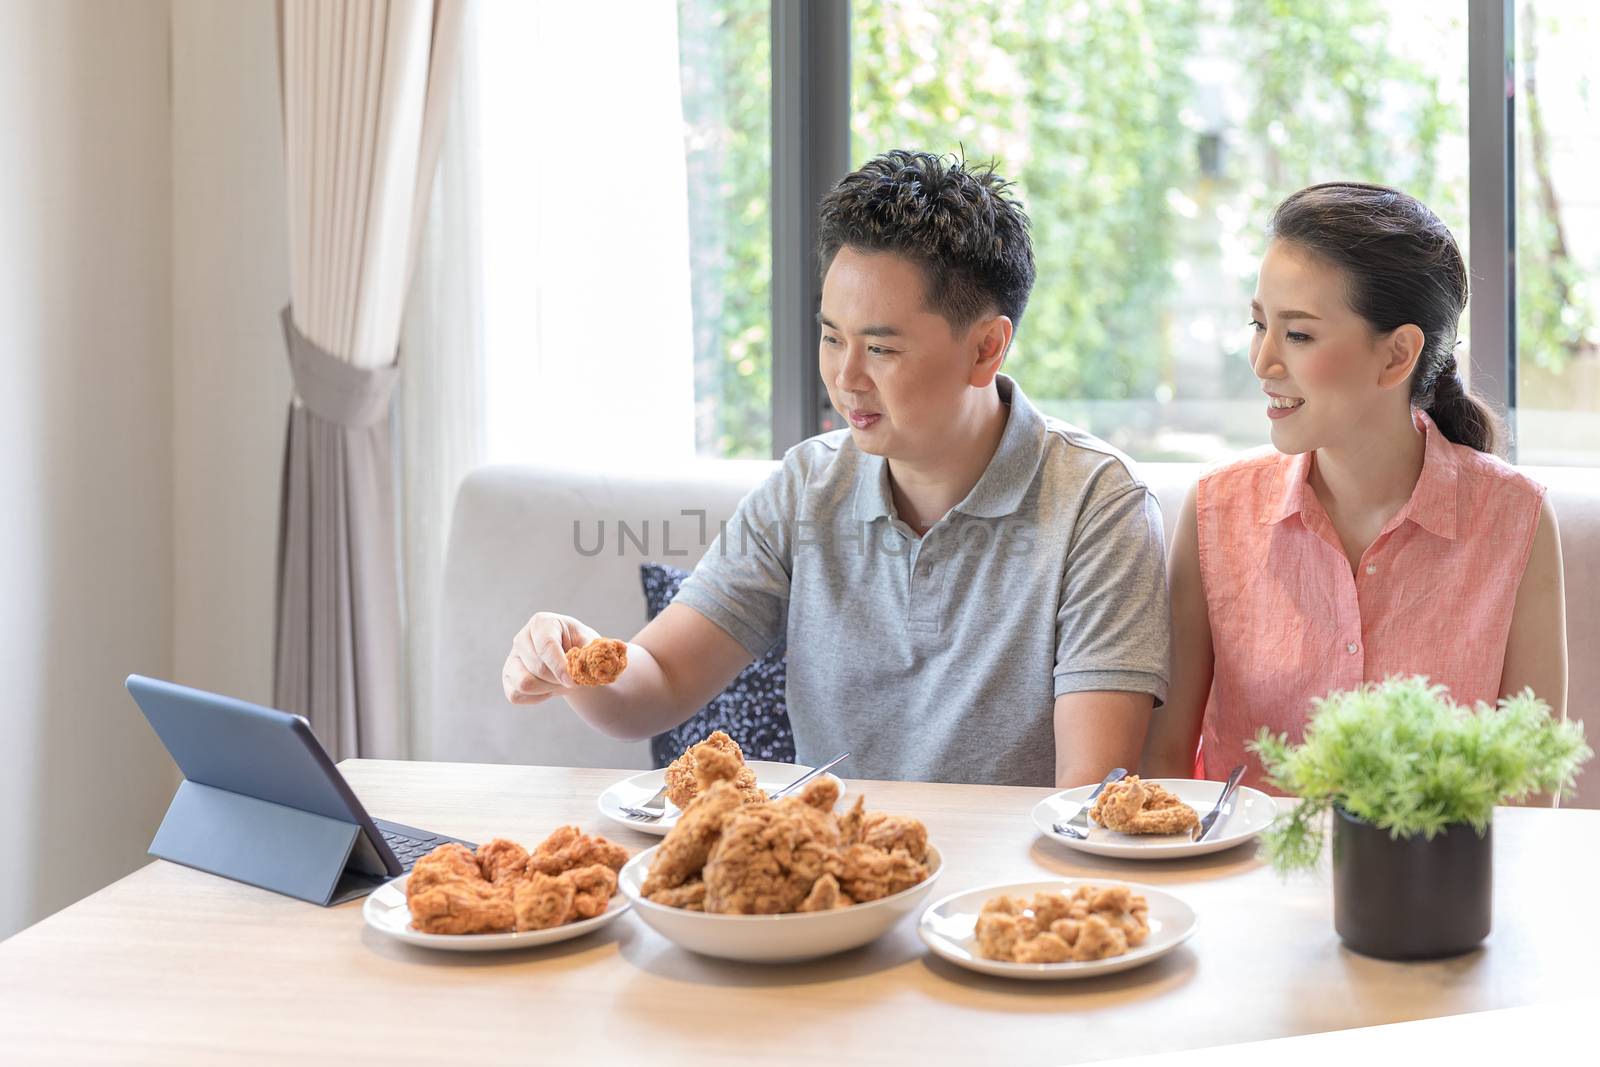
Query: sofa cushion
{"x": 751, "y": 710}
{"x": 570, "y": 540}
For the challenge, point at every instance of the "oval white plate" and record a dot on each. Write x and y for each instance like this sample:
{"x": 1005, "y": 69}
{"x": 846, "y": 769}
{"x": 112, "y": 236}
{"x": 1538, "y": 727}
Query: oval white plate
{"x": 775, "y": 938}
{"x": 386, "y": 912}
{"x": 947, "y": 928}
{"x": 1252, "y": 812}
{"x": 641, "y": 787}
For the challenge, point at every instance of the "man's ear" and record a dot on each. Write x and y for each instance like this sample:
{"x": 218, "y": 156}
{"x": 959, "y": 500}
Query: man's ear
{"x": 992, "y": 339}
{"x": 1400, "y": 350}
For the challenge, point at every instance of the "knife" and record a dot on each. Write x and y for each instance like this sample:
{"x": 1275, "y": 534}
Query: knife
{"x": 1222, "y": 802}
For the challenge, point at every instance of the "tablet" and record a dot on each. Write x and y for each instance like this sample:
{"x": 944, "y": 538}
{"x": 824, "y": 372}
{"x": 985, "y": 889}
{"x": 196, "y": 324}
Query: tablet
{"x": 259, "y": 752}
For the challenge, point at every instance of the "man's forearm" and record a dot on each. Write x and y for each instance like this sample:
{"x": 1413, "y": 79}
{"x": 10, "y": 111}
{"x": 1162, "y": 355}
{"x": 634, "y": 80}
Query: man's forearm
{"x": 678, "y": 662}
{"x": 639, "y": 704}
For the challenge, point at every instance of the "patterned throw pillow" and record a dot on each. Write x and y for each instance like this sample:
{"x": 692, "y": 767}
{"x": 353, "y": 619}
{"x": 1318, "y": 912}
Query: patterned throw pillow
{"x": 752, "y": 710}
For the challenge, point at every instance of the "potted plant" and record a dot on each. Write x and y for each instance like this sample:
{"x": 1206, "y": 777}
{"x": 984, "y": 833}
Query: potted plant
{"x": 1412, "y": 779}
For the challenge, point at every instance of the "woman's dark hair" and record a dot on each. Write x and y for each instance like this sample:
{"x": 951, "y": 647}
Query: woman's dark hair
{"x": 1402, "y": 265}
{"x": 955, "y": 221}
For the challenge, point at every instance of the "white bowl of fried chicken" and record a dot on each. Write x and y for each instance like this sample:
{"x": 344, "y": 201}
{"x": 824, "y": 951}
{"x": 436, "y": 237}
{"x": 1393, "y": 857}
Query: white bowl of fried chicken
{"x": 778, "y": 881}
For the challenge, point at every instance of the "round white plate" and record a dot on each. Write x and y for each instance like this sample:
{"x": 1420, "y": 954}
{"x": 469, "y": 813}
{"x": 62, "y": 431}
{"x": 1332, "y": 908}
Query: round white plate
{"x": 641, "y": 787}
{"x": 386, "y": 912}
{"x": 1252, "y": 811}
{"x": 947, "y": 928}
{"x": 774, "y": 938}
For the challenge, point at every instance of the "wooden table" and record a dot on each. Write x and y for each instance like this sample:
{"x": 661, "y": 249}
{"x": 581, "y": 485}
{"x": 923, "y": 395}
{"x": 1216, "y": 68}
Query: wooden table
{"x": 172, "y": 965}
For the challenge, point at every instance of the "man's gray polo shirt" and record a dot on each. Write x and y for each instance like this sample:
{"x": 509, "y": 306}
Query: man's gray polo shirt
{"x": 939, "y": 659}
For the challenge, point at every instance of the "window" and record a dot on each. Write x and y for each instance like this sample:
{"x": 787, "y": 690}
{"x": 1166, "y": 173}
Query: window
{"x": 1150, "y": 140}
{"x": 626, "y": 248}
{"x": 726, "y": 64}
{"x": 1558, "y": 232}
{"x": 628, "y": 236}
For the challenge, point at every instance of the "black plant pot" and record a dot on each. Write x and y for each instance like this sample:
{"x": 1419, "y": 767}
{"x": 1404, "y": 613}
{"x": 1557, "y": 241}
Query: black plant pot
{"x": 1410, "y": 899}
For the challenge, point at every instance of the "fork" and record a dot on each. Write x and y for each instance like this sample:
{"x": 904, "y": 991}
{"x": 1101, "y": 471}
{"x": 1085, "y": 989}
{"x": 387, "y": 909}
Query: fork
{"x": 650, "y": 810}
{"x": 1078, "y": 826}
{"x": 815, "y": 772}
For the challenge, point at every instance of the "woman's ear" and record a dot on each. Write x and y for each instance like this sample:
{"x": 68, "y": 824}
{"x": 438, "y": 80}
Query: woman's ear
{"x": 1400, "y": 349}
{"x": 993, "y": 338}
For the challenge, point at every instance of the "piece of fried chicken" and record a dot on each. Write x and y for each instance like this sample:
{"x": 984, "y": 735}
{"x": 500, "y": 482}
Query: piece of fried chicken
{"x": 1135, "y": 807}
{"x": 1042, "y": 948}
{"x": 683, "y": 774}
{"x": 825, "y": 895}
{"x": 1048, "y": 908}
{"x": 690, "y": 896}
{"x": 541, "y": 901}
{"x": 600, "y": 662}
{"x": 450, "y": 862}
{"x": 879, "y": 854}
{"x": 1124, "y": 908}
{"x": 1098, "y": 939}
{"x": 568, "y": 848}
{"x": 502, "y": 861}
{"x": 889, "y": 832}
{"x": 684, "y": 850}
{"x": 867, "y": 873}
{"x": 593, "y": 887}
{"x": 850, "y": 823}
{"x": 462, "y": 906}
{"x": 770, "y": 856}
{"x": 822, "y": 794}
{"x": 998, "y": 934}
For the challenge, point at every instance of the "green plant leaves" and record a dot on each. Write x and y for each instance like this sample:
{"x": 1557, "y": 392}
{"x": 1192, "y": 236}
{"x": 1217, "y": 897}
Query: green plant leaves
{"x": 1402, "y": 755}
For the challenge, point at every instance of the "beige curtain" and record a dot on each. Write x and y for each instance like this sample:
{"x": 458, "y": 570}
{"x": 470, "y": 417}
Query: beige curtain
{"x": 442, "y": 385}
{"x": 366, "y": 86}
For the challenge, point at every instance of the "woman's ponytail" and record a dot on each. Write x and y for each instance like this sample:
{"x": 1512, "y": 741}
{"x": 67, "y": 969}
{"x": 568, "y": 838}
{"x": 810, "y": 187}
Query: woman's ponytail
{"x": 1460, "y": 416}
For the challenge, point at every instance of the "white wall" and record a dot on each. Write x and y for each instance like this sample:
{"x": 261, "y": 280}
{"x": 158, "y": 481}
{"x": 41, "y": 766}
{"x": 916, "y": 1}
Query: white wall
{"x": 143, "y": 392}
{"x": 230, "y": 378}
{"x": 85, "y": 441}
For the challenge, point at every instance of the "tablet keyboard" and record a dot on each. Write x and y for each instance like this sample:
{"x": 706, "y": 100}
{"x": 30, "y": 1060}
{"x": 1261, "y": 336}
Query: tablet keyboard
{"x": 408, "y": 843}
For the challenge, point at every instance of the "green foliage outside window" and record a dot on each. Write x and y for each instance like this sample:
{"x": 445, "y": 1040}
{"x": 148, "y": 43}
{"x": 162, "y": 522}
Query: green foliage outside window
{"x": 1081, "y": 106}
{"x": 1555, "y": 308}
{"x": 725, "y": 59}
{"x": 1134, "y": 183}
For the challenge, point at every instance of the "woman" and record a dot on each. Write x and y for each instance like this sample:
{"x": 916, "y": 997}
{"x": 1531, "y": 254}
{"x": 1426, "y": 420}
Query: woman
{"x": 1382, "y": 534}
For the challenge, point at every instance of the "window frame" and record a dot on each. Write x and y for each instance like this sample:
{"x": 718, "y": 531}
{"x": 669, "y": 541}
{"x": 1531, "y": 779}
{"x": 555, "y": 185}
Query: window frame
{"x": 1491, "y": 201}
{"x": 810, "y": 152}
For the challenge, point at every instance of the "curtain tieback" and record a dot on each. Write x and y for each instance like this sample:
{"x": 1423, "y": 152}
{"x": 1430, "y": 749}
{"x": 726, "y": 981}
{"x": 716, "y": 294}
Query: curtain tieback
{"x": 332, "y": 389}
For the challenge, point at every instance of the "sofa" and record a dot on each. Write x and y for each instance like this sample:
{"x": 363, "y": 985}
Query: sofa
{"x": 571, "y": 540}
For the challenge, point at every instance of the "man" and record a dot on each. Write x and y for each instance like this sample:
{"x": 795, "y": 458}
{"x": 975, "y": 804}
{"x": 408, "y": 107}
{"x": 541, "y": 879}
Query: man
{"x": 971, "y": 592}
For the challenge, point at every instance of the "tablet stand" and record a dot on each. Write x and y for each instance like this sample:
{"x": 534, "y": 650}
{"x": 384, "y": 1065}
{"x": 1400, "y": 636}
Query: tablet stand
{"x": 286, "y": 850}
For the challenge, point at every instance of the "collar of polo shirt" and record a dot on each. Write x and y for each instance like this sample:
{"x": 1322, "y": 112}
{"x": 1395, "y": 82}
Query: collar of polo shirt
{"x": 1005, "y": 480}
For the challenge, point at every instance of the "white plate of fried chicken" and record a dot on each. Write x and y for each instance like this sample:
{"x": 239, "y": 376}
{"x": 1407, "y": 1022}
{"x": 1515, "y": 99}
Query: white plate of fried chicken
{"x": 502, "y": 896}
{"x": 754, "y": 780}
{"x": 1152, "y": 819}
{"x": 1058, "y": 928}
